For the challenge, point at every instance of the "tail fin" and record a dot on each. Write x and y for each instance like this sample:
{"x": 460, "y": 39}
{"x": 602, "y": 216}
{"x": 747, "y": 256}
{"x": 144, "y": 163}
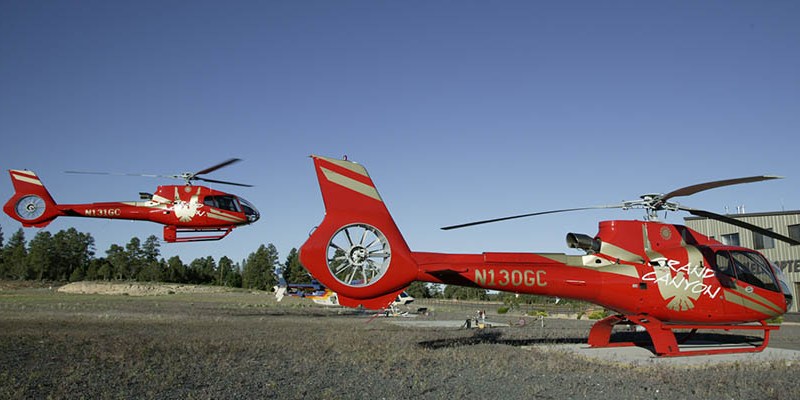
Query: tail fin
{"x": 357, "y": 251}
{"x": 31, "y": 204}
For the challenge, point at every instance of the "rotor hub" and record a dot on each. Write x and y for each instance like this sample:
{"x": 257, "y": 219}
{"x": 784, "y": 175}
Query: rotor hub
{"x": 358, "y": 255}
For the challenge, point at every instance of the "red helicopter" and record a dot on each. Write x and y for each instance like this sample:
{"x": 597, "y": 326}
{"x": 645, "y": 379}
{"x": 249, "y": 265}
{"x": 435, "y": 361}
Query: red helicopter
{"x": 660, "y": 276}
{"x": 189, "y": 213}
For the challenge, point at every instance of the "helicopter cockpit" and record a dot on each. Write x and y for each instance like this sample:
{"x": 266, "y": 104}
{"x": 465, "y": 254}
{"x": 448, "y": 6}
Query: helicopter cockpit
{"x": 249, "y": 210}
{"x": 752, "y": 268}
{"x": 235, "y": 204}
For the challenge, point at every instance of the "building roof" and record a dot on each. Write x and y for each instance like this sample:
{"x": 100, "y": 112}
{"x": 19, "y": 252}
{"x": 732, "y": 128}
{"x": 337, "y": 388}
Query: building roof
{"x": 745, "y": 215}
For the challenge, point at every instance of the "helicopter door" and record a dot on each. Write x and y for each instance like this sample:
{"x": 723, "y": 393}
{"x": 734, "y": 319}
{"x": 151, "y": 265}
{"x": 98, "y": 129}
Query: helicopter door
{"x": 726, "y": 274}
{"x": 754, "y": 286}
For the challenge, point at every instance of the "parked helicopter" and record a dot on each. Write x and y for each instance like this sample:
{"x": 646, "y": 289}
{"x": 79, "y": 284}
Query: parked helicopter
{"x": 189, "y": 213}
{"x": 662, "y": 277}
{"x": 321, "y": 295}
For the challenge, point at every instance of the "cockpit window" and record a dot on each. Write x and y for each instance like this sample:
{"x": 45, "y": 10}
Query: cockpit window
{"x": 724, "y": 263}
{"x": 747, "y": 267}
{"x": 223, "y": 202}
{"x": 754, "y": 269}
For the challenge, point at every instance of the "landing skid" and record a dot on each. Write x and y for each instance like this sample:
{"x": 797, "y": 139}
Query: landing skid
{"x": 173, "y": 234}
{"x": 662, "y": 335}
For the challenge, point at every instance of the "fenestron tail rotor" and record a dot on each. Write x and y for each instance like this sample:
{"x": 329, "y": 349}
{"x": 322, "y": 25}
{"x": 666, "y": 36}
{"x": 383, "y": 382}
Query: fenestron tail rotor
{"x": 188, "y": 177}
{"x": 652, "y": 203}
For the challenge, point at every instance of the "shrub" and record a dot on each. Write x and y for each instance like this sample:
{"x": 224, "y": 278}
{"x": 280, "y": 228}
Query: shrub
{"x": 776, "y": 321}
{"x": 538, "y": 313}
{"x": 502, "y": 310}
{"x": 598, "y": 314}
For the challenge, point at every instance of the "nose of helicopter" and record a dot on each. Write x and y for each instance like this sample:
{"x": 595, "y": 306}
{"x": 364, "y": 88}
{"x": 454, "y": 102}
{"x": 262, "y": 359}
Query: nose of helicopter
{"x": 250, "y": 211}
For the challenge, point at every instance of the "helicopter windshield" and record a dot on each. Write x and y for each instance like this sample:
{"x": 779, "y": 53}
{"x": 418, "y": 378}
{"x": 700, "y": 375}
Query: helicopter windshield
{"x": 784, "y": 284}
{"x": 747, "y": 267}
{"x": 249, "y": 210}
{"x": 222, "y": 202}
{"x": 233, "y": 203}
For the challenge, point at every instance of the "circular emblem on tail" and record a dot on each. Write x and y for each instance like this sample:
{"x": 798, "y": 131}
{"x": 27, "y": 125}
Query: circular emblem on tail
{"x": 358, "y": 255}
{"x": 30, "y": 207}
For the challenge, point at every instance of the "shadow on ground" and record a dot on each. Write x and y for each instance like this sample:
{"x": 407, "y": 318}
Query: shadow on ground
{"x": 641, "y": 339}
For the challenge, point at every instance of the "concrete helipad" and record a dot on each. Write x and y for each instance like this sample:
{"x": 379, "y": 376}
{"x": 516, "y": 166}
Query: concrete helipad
{"x": 416, "y": 323}
{"x": 632, "y": 355}
{"x": 642, "y": 356}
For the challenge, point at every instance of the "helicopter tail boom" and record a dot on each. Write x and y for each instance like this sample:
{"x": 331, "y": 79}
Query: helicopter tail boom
{"x": 357, "y": 251}
{"x": 31, "y": 204}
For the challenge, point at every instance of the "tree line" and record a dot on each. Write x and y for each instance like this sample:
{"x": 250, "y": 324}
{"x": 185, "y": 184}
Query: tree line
{"x": 69, "y": 255}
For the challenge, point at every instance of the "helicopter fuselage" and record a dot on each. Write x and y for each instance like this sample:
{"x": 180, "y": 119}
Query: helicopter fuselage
{"x": 666, "y": 271}
{"x": 180, "y": 208}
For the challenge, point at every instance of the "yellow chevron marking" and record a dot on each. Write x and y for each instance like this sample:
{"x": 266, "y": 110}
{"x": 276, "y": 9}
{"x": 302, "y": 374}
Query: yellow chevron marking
{"x": 24, "y": 172}
{"x": 355, "y": 167}
{"x": 222, "y": 216}
{"x": 145, "y": 204}
{"x": 351, "y": 184}
{"x": 748, "y": 303}
{"x": 753, "y": 296}
{"x": 620, "y": 269}
{"x": 159, "y": 199}
{"x": 30, "y": 178}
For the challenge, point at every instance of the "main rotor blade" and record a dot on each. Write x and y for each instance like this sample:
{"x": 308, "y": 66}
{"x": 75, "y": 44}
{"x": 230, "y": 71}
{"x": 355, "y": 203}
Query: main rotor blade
{"x": 218, "y": 166}
{"x": 741, "y": 224}
{"x": 117, "y": 174}
{"x": 222, "y": 182}
{"x": 527, "y": 215}
{"x": 689, "y": 190}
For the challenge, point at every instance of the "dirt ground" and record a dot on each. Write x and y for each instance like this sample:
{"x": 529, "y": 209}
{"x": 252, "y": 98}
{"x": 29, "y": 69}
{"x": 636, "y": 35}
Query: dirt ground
{"x": 137, "y": 288}
{"x": 238, "y": 344}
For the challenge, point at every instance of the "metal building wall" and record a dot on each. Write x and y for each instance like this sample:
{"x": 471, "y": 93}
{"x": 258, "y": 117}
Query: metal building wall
{"x": 783, "y": 255}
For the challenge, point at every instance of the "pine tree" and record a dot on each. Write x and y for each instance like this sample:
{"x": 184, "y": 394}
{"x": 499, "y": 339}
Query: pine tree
{"x": 2, "y": 265}
{"x": 259, "y": 269}
{"x": 73, "y": 251}
{"x": 42, "y": 256}
{"x": 152, "y": 271}
{"x": 419, "y": 290}
{"x": 15, "y": 257}
{"x": 150, "y": 249}
{"x": 228, "y": 274}
{"x": 176, "y": 270}
{"x": 117, "y": 263}
{"x": 293, "y": 271}
{"x": 135, "y": 258}
{"x": 465, "y": 293}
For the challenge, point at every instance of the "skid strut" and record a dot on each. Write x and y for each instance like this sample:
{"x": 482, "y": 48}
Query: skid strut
{"x": 173, "y": 234}
{"x": 663, "y": 337}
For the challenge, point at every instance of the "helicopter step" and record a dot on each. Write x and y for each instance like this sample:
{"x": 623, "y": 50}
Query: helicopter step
{"x": 664, "y": 341}
{"x": 173, "y": 234}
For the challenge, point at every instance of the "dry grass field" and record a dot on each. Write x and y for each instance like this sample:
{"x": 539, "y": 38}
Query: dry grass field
{"x": 245, "y": 345}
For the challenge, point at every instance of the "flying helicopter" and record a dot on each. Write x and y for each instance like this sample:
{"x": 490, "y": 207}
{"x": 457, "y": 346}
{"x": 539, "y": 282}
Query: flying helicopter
{"x": 189, "y": 213}
{"x": 661, "y": 277}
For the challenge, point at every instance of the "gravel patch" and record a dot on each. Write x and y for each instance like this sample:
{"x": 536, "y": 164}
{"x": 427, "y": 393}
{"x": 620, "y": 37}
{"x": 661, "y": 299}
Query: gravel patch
{"x": 241, "y": 345}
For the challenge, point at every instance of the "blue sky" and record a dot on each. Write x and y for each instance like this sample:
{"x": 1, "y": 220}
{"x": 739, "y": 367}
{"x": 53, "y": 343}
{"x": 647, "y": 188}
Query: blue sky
{"x": 460, "y": 110}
